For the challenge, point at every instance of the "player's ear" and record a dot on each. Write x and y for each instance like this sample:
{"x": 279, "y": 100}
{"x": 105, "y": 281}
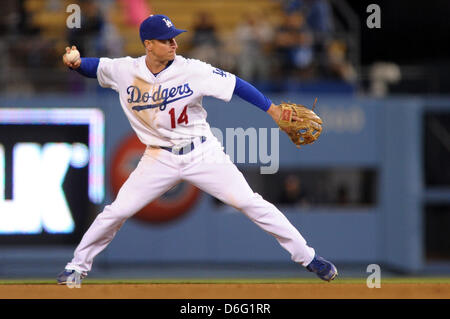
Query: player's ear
{"x": 148, "y": 44}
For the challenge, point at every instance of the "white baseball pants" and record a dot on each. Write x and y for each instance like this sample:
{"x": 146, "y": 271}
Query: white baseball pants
{"x": 206, "y": 167}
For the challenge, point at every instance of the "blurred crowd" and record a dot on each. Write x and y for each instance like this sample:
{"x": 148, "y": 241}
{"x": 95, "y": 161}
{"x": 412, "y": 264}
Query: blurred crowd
{"x": 301, "y": 45}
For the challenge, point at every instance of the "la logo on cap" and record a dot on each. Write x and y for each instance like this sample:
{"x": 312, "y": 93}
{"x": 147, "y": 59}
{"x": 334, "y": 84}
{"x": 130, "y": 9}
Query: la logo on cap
{"x": 168, "y": 23}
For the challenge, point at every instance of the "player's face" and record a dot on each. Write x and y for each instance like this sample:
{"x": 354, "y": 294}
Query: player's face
{"x": 163, "y": 50}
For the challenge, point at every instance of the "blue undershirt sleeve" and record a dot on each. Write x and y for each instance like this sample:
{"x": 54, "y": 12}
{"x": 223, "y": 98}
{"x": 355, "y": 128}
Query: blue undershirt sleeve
{"x": 89, "y": 67}
{"x": 249, "y": 93}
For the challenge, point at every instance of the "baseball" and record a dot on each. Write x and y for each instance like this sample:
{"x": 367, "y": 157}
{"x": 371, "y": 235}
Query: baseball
{"x": 73, "y": 56}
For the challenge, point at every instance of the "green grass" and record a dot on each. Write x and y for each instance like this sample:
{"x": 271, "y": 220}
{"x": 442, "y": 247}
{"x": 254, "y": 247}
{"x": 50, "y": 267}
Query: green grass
{"x": 87, "y": 281}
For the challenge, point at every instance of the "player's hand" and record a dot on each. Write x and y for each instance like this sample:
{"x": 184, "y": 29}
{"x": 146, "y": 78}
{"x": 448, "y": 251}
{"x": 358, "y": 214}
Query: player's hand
{"x": 66, "y": 58}
{"x": 275, "y": 112}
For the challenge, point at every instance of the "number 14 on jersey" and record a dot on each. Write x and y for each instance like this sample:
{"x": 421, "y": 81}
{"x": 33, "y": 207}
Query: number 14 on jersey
{"x": 183, "y": 118}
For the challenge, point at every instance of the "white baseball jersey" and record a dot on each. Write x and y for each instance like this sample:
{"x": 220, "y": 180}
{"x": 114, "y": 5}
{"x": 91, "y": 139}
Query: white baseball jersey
{"x": 166, "y": 109}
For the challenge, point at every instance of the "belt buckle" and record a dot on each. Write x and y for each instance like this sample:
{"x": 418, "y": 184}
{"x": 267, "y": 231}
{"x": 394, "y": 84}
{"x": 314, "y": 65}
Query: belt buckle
{"x": 187, "y": 147}
{"x": 180, "y": 149}
{"x": 177, "y": 149}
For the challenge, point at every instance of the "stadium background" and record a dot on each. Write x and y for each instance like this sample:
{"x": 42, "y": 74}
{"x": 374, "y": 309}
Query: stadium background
{"x": 373, "y": 190}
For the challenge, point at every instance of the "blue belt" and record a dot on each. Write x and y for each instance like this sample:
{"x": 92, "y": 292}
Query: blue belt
{"x": 185, "y": 149}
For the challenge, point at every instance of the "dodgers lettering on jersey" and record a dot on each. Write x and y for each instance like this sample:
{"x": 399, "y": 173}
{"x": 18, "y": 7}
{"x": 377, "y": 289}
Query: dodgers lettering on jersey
{"x": 166, "y": 95}
{"x": 166, "y": 109}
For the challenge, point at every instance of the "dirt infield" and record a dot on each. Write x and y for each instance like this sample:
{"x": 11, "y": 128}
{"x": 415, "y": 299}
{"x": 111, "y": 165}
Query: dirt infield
{"x": 228, "y": 291}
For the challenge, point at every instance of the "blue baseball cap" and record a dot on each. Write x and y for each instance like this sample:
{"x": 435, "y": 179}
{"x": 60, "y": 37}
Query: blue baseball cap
{"x": 159, "y": 27}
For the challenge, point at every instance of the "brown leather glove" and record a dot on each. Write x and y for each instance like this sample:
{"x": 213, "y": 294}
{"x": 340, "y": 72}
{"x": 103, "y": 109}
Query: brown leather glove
{"x": 305, "y": 131}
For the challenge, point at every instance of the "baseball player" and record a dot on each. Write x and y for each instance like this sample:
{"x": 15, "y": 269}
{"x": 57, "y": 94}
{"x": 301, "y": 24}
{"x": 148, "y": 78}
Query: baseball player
{"x": 161, "y": 94}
